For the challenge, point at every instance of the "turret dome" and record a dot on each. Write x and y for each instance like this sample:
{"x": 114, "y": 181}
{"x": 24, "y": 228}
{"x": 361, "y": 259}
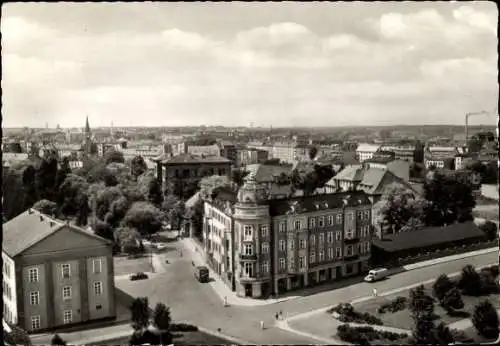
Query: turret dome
{"x": 252, "y": 192}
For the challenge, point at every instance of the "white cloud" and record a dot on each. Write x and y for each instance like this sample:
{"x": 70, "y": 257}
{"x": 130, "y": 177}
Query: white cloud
{"x": 22, "y": 33}
{"x": 478, "y": 19}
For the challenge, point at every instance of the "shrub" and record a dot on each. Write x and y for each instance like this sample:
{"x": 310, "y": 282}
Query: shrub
{"x": 183, "y": 327}
{"x": 488, "y": 283}
{"x": 138, "y": 276}
{"x": 349, "y": 315}
{"x": 490, "y": 230}
{"x": 452, "y": 300}
{"x": 363, "y": 335}
{"x": 57, "y": 341}
{"x": 485, "y": 320}
{"x": 461, "y": 337}
{"x": 393, "y": 306}
{"x": 441, "y": 286}
{"x": 470, "y": 281}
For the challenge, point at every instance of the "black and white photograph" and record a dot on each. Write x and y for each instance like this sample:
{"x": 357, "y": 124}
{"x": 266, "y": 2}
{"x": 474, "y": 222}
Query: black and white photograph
{"x": 250, "y": 173}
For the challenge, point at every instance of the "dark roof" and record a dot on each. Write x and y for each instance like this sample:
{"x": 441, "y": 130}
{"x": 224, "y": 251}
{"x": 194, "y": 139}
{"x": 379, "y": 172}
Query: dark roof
{"x": 318, "y": 202}
{"x": 184, "y": 158}
{"x": 266, "y": 173}
{"x": 379, "y": 159}
{"x": 31, "y": 227}
{"x": 429, "y": 236}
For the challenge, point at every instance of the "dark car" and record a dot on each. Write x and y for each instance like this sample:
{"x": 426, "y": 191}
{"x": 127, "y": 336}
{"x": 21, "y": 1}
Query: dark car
{"x": 201, "y": 274}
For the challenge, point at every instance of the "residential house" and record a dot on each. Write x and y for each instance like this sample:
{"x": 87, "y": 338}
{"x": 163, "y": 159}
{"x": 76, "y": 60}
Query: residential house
{"x": 249, "y": 156}
{"x": 260, "y": 246}
{"x": 440, "y": 157}
{"x": 366, "y": 151}
{"x": 401, "y": 152}
{"x": 399, "y": 167}
{"x": 54, "y": 273}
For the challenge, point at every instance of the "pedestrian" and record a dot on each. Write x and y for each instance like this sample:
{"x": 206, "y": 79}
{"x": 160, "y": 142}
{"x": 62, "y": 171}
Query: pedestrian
{"x": 276, "y": 316}
{"x": 281, "y": 315}
{"x": 180, "y": 253}
{"x": 262, "y": 325}
{"x": 374, "y": 292}
{"x": 225, "y": 301}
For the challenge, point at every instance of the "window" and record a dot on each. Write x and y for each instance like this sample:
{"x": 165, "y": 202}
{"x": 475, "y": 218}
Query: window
{"x": 248, "y": 249}
{"x": 330, "y": 220}
{"x": 302, "y": 243}
{"x": 282, "y": 226}
{"x": 263, "y": 230}
{"x": 33, "y": 273}
{"x": 301, "y": 262}
{"x": 312, "y": 257}
{"x": 321, "y": 221}
{"x": 248, "y": 269}
{"x": 282, "y": 245}
{"x": 68, "y": 316}
{"x": 265, "y": 247}
{"x": 66, "y": 292}
{"x": 367, "y": 214}
{"x": 349, "y": 234}
{"x": 321, "y": 256}
{"x": 35, "y": 298}
{"x": 248, "y": 232}
{"x": 282, "y": 263}
{"x": 329, "y": 237}
{"x": 297, "y": 224}
{"x": 330, "y": 253}
{"x": 321, "y": 238}
{"x": 264, "y": 267}
{"x": 338, "y": 252}
{"x": 312, "y": 222}
{"x": 350, "y": 216}
{"x": 35, "y": 322}
{"x": 98, "y": 307}
{"x": 97, "y": 264}
{"x": 367, "y": 247}
{"x": 349, "y": 250}
{"x": 66, "y": 271}
{"x": 312, "y": 239}
{"x": 98, "y": 288}
{"x": 339, "y": 219}
{"x": 291, "y": 244}
{"x": 338, "y": 235}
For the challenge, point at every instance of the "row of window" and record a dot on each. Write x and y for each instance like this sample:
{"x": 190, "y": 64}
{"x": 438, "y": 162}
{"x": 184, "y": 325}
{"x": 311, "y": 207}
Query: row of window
{"x": 34, "y": 273}
{"x": 219, "y": 217}
{"x": 323, "y": 221}
{"x": 248, "y": 269}
{"x": 66, "y": 293}
{"x": 7, "y": 292}
{"x": 248, "y": 232}
{"x": 6, "y": 269}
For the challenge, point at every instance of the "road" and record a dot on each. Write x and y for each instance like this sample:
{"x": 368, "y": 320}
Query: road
{"x": 198, "y": 304}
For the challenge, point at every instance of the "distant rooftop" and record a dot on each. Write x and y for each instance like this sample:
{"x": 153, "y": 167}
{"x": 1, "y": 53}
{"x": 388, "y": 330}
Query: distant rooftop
{"x": 185, "y": 158}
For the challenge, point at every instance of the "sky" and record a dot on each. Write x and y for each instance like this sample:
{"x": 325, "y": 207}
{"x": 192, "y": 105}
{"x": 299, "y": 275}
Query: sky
{"x": 235, "y": 63}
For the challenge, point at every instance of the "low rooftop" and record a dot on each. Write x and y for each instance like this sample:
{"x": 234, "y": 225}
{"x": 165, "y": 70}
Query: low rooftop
{"x": 192, "y": 159}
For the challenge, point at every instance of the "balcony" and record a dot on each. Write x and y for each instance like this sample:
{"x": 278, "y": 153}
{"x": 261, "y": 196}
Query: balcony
{"x": 351, "y": 240}
{"x": 350, "y": 258}
{"x": 244, "y": 257}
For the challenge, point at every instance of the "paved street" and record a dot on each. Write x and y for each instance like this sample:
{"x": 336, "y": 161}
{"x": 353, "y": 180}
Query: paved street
{"x": 198, "y": 304}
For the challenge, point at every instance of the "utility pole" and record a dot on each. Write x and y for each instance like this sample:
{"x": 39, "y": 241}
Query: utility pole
{"x": 467, "y": 115}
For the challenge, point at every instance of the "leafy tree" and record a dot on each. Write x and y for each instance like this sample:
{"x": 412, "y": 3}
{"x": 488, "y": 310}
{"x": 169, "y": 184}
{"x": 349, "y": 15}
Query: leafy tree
{"x": 485, "y": 320}
{"x": 162, "y": 320}
{"x": 103, "y": 229}
{"x": 63, "y": 171}
{"x": 31, "y": 194}
{"x": 117, "y": 211}
{"x": 448, "y": 201}
{"x": 490, "y": 230}
{"x": 443, "y": 335}
{"x": 17, "y": 336}
{"x": 452, "y": 300}
{"x": 46, "y": 207}
{"x": 94, "y": 171}
{"x": 420, "y": 302}
{"x": 57, "y": 341}
{"x": 45, "y": 177}
{"x": 195, "y": 216}
{"x": 138, "y": 166}
{"x": 154, "y": 192}
{"x": 441, "y": 286}
{"x": 208, "y": 185}
{"x": 238, "y": 176}
{"x": 313, "y": 151}
{"x": 83, "y": 209}
{"x": 114, "y": 156}
{"x": 144, "y": 217}
{"x": 104, "y": 198}
{"x": 470, "y": 281}
{"x": 399, "y": 209}
{"x": 174, "y": 210}
{"x": 128, "y": 240}
{"x": 422, "y": 308}
{"x": 72, "y": 189}
{"x": 140, "y": 313}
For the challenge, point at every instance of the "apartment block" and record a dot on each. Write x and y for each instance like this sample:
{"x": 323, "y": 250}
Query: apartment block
{"x": 54, "y": 273}
{"x": 262, "y": 246}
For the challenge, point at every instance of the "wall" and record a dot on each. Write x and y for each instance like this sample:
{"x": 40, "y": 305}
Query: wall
{"x": 60, "y": 304}
{"x": 44, "y": 304}
{"x": 9, "y": 278}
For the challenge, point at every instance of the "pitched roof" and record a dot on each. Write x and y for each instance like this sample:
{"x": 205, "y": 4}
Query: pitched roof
{"x": 366, "y": 147}
{"x": 429, "y": 236}
{"x": 352, "y": 173}
{"x": 266, "y": 173}
{"x": 184, "y": 158}
{"x": 318, "y": 202}
{"x": 191, "y": 202}
{"x": 31, "y": 227}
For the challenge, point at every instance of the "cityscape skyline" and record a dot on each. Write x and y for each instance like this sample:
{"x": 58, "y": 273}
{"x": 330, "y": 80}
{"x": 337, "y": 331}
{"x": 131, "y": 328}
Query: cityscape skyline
{"x": 179, "y": 64}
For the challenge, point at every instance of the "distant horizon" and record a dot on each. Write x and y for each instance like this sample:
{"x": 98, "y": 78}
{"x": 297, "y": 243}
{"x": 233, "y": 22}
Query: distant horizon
{"x": 291, "y": 64}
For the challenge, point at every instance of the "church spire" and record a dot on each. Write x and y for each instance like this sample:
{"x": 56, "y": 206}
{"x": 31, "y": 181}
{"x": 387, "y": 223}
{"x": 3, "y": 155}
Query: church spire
{"x": 87, "y": 126}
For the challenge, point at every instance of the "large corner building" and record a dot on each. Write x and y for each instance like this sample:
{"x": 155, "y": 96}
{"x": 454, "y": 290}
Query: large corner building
{"x": 54, "y": 273}
{"x": 260, "y": 246}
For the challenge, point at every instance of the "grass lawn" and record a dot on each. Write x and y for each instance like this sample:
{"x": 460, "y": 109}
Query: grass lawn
{"x": 125, "y": 265}
{"x": 186, "y": 338}
{"x": 402, "y": 319}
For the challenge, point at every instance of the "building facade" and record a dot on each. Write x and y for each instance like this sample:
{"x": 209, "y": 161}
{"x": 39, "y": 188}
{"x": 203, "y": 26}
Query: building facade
{"x": 55, "y": 274}
{"x": 261, "y": 246}
{"x": 251, "y": 156}
{"x": 366, "y": 151}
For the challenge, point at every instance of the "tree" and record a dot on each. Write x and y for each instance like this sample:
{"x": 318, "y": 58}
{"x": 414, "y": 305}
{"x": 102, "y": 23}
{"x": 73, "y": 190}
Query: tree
{"x": 138, "y": 166}
{"x": 490, "y": 230}
{"x": 46, "y": 207}
{"x": 114, "y": 156}
{"x": 452, "y": 300}
{"x": 443, "y": 335}
{"x": 421, "y": 302}
{"x": 72, "y": 189}
{"x": 117, "y": 211}
{"x": 103, "y": 229}
{"x": 144, "y": 217}
{"x": 140, "y": 313}
{"x": 441, "y": 286}
{"x": 45, "y": 177}
{"x": 57, "y": 341}
{"x": 61, "y": 175}
{"x": 238, "y": 176}
{"x": 399, "y": 209}
{"x": 174, "y": 210}
{"x": 17, "y": 336}
{"x": 485, "y": 320}
{"x": 313, "y": 151}
{"x": 162, "y": 320}
{"x": 422, "y": 308}
{"x": 83, "y": 209}
{"x": 208, "y": 185}
{"x": 470, "y": 281}
{"x": 30, "y": 190}
{"x": 128, "y": 240}
{"x": 154, "y": 192}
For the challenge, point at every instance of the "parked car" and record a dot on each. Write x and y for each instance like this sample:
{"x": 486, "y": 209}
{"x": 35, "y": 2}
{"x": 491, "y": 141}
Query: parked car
{"x": 376, "y": 274}
{"x": 201, "y": 274}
